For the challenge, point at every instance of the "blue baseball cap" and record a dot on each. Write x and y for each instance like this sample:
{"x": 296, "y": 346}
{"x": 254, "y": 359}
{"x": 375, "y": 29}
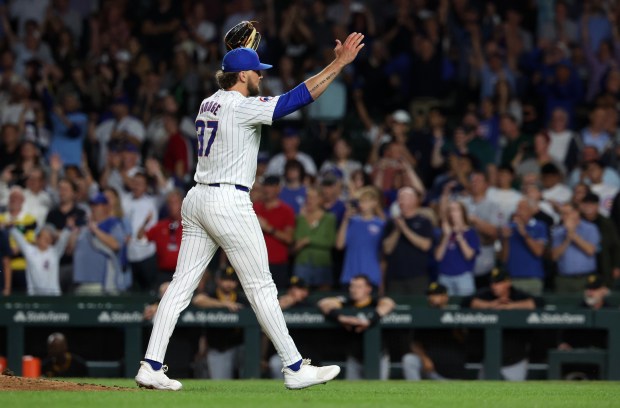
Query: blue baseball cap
{"x": 242, "y": 59}
{"x": 100, "y": 198}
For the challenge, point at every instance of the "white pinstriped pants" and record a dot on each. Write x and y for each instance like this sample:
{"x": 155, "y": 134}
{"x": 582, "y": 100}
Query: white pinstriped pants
{"x": 213, "y": 217}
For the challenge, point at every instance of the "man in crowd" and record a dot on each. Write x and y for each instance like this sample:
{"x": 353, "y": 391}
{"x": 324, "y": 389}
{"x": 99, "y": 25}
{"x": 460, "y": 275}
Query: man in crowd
{"x": 503, "y": 296}
{"x": 290, "y": 151}
{"x": 504, "y": 195}
{"x": 166, "y": 235}
{"x": 277, "y": 221}
{"x": 369, "y": 310}
{"x": 58, "y": 216}
{"x": 141, "y": 211}
{"x": 37, "y": 201}
{"x": 296, "y": 296}
{"x": 523, "y": 247}
{"x": 595, "y": 294}
{"x": 608, "y": 255}
{"x": 407, "y": 242}
{"x": 224, "y": 346}
{"x": 574, "y": 247}
{"x": 554, "y": 189}
{"x": 60, "y": 362}
{"x": 15, "y": 276}
{"x": 96, "y": 259}
{"x": 605, "y": 192}
{"x": 486, "y": 217}
{"x": 436, "y": 354}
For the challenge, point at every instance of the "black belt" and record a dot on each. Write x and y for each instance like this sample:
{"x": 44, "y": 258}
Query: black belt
{"x": 237, "y": 186}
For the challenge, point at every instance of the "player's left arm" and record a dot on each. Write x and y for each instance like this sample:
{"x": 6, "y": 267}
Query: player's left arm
{"x": 345, "y": 54}
{"x": 308, "y": 91}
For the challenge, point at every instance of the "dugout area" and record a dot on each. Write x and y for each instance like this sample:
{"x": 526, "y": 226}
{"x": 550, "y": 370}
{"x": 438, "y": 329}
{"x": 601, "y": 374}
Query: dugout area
{"x": 111, "y": 336}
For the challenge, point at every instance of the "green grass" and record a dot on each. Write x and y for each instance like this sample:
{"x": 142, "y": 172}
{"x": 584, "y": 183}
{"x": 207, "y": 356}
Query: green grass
{"x": 272, "y": 394}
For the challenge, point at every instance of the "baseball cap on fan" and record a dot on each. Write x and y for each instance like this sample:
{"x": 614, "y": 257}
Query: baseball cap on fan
{"x": 401, "y": 116}
{"x": 242, "y": 59}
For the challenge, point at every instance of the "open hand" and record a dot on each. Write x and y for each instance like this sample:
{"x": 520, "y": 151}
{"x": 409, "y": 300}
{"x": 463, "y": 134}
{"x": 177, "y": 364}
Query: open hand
{"x": 347, "y": 51}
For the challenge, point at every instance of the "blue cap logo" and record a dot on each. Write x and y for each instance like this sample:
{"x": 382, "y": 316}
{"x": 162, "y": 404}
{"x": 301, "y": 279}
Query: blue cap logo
{"x": 242, "y": 59}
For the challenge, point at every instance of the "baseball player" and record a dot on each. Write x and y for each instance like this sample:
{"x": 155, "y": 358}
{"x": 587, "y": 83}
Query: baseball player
{"x": 217, "y": 212}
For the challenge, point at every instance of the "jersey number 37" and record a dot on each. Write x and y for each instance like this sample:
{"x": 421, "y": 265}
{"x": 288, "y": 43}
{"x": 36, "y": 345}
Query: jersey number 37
{"x": 201, "y": 125}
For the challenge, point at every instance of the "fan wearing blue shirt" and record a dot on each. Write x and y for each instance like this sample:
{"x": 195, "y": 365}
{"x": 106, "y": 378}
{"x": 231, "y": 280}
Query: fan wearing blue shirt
{"x": 293, "y": 192}
{"x": 361, "y": 234}
{"x": 456, "y": 252}
{"x": 523, "y": 246}
{"x": 69, "y": 128}
{"x": 575, "y": 244}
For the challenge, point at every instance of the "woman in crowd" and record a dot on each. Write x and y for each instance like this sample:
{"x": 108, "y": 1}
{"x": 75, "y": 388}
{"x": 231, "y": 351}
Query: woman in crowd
{"x": 361, "y": 232}
{"x": 456, "y": 252}
{"x": 315, "y": 234}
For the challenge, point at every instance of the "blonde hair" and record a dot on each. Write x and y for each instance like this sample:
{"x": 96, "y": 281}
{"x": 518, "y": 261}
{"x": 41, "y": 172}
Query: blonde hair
{"x": 374, "y": 194}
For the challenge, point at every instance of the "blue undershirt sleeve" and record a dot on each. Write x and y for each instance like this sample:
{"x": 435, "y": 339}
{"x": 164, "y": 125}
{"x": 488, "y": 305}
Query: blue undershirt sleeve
{"x": 294, "y": 99}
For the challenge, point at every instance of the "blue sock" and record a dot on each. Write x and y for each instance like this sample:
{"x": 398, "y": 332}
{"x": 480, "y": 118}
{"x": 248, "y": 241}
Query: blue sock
{"x": 295, "y": 367}
{"x": 156, "y": 365}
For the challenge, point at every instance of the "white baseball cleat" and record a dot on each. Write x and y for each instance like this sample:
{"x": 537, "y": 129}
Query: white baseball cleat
{"x": 155, "y": 380}
{"x": 308, "y": 375}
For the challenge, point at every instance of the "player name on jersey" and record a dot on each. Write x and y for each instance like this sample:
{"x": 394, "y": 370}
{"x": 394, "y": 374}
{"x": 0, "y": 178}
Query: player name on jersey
{"x": 209, "y": 106}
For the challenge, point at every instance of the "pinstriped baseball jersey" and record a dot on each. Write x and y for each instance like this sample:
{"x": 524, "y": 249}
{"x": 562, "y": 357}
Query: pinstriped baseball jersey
{"x": 228, "y": 128}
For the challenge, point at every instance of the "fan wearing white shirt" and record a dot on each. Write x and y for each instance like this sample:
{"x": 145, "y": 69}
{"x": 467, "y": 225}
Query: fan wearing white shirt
{"x": 554, "y": 190}
{"x": 588, "y": 154}
{"x": 605, "y": 192}
{"x": 37, "y": 200}
{"x": 141, "y": 212}
{"x": 563, "y": 147}
{"x": 43, "y": 259}
{"x": 290, "y": 150}
{"x": 504, "y": 195}
{"x": 122, "y": 127}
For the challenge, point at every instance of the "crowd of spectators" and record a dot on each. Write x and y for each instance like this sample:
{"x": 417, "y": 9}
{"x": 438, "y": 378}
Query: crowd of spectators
{"x": 467, "y": 135}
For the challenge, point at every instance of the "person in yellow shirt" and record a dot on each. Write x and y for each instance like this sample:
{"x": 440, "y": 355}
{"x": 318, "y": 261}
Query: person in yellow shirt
{"x": 15, "y": 278}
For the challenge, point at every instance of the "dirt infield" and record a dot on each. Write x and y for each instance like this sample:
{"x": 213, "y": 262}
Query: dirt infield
{"x": 11, "y": 383}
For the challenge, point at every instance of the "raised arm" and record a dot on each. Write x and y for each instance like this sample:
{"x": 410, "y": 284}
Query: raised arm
{"x": 22, "y": 243}
{"x": 8, "y": 275}
{"x": 309, "y": 90}
{"x": 345, "y": 54}
{"x": 413, "y": 178}
{"x": 341, "y": 237}
{"x": 62, "y": 242}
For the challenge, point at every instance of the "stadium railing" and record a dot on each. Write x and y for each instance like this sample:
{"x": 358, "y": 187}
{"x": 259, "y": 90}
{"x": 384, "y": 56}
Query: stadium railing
{"x": 19, "y": 313}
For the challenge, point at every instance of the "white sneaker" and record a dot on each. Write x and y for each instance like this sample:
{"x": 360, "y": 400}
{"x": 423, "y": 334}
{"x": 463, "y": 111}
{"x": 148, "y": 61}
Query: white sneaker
{"x": 308, "y": 375}
{"x": 158, "y": 380}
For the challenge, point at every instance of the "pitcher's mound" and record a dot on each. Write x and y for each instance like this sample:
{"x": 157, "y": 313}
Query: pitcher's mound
{"x": 10, "y": 383}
